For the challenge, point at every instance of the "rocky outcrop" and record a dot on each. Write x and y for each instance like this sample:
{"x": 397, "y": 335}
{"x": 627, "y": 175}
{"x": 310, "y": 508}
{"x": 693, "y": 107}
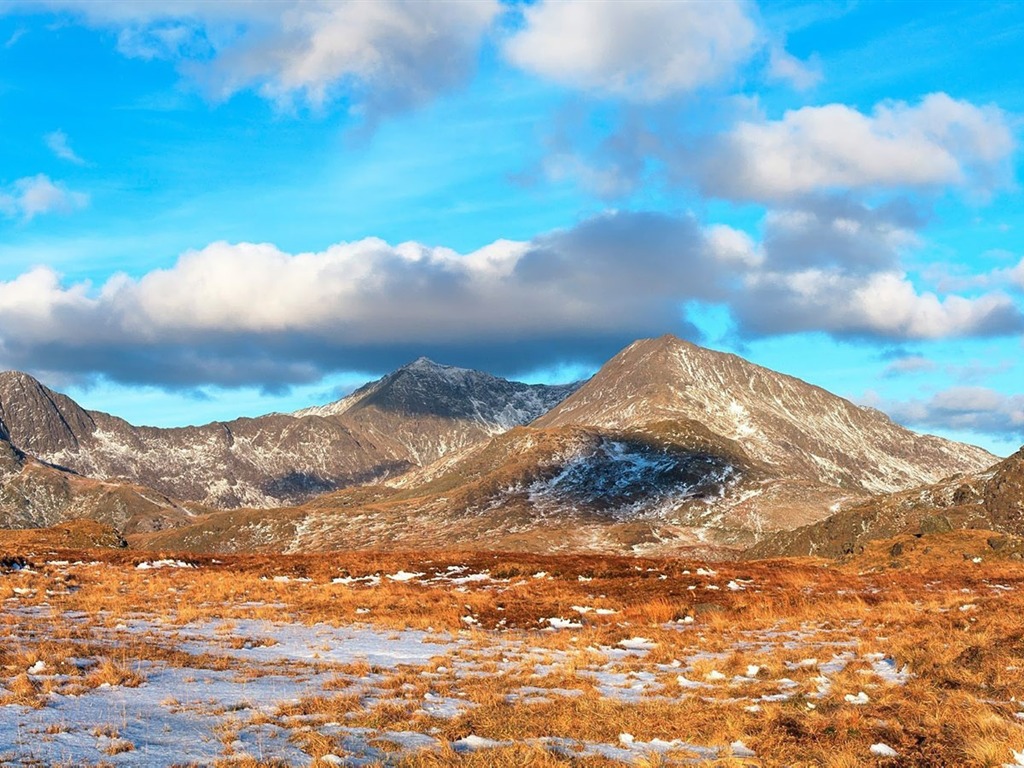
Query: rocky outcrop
{"x": 989, "y": 500}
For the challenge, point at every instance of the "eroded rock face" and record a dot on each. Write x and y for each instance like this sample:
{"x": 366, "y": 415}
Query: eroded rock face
{"x": 409, "y": 418}
{"x": 1003, "y": 494}
{"x": 38, "y": 419}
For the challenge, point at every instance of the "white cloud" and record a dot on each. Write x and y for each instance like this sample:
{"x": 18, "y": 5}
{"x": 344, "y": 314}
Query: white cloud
{"x": 251, "y": 313}
{"x": 58, "y": 143}
{"x": 1016, "y": 274}
{"x": 880, "y": 304}
{"x": 910, "y": 364}
{"x": 246, "y": 312}
{"x": 385, "y": 55}
{"x": 643, "y": 51}
{"x": 734, "y": 247}
{"x": 32, "y": 196}
{"x": 784, "y": 67}
{"x": 971, "y": 408}
{"x": 937, "y": 143}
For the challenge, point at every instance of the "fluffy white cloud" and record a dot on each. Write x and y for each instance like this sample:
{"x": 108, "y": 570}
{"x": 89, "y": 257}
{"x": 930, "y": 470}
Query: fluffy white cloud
{"x": 252, "y": 313}
{"x": 643, "y": 51}
{"x": 880, "y": 304}
{"x": 229, "y": 312}
{"x": 386, "y": 54}
{"x": 972, "y": 408}
{"x": 939, "y": 142}
{"x": 32, "y": 196}
{"x": 734, "y": 247}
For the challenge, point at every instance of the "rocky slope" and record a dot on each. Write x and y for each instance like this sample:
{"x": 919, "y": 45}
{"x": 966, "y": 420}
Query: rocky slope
{"x": 406, "y": 419}
{"x": 552, "y": 489}
{"x": 992, "y": 499}
{"x": 75, "y": 534}
{"x": 799, "y": 429}
{"x": 36, "y": 495}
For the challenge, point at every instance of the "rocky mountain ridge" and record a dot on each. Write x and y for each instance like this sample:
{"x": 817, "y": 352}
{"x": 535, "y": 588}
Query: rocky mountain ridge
{"x": 991, "y": 500}
{"x": 408, "y": 418}
{"x": 34, "y": 494}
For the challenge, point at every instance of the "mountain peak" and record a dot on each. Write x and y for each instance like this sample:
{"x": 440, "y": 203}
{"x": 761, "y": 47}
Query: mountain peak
{"x": 423, "y": 362}
{"x": 424, "y": 366}
{"x": 38, "y": 420}
{"x": 17, "y": 378}
{"x": 669, "y": 340}
{"x": 778, "y": 419}
{"x": 425, "y": 388}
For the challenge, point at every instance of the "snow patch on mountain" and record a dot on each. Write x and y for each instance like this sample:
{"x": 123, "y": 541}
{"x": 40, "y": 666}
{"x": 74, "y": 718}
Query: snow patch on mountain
{"x": 628, "y": 481}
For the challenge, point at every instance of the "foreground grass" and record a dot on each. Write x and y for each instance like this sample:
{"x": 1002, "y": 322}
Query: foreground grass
{"x": 918, "y": 648}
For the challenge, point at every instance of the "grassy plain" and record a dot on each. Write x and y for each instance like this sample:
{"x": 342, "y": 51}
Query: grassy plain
{"x": 911, "y": 653}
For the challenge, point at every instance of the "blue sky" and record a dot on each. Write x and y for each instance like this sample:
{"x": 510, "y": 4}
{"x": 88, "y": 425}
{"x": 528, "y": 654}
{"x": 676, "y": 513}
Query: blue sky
{"x": 219, "y": 209}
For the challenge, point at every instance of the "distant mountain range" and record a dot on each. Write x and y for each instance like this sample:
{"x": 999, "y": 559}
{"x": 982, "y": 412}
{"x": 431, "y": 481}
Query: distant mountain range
{"x": 406, "y": 419}
{"x": 669, "y": 448}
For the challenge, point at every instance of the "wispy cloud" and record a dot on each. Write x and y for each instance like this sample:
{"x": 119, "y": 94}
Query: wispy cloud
{"x": 787, "y": 68}
{"x": 58, "y": 143}
{"x": 15, "y": 36}
{"x": 977, "y": 409}
{"x": 33, "y": 196}
{"x": 910, "y": 364}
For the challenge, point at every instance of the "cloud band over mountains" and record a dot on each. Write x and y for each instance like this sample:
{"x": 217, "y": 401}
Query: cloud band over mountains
{"x": 250, "y": 313}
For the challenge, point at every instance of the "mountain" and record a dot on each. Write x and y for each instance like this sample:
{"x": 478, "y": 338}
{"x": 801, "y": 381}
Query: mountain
{"x": 406, "y": 419}
{"x": 992, "y": 500}
{"x": 35, "y": 495}
{"x": 796, "y": 428}
{"x": 565, "y": 488}
{"x": 669, "y": 448}
{"x": 434, "y": 409}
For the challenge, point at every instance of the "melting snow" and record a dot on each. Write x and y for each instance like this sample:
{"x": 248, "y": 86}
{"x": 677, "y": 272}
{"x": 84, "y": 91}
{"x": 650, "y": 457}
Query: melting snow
{"x": 638, "y": 644}
{"x": 150, "y": 564}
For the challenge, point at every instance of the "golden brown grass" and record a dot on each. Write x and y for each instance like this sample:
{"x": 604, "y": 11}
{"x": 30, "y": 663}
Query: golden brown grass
{"x": 952, "y": 623}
